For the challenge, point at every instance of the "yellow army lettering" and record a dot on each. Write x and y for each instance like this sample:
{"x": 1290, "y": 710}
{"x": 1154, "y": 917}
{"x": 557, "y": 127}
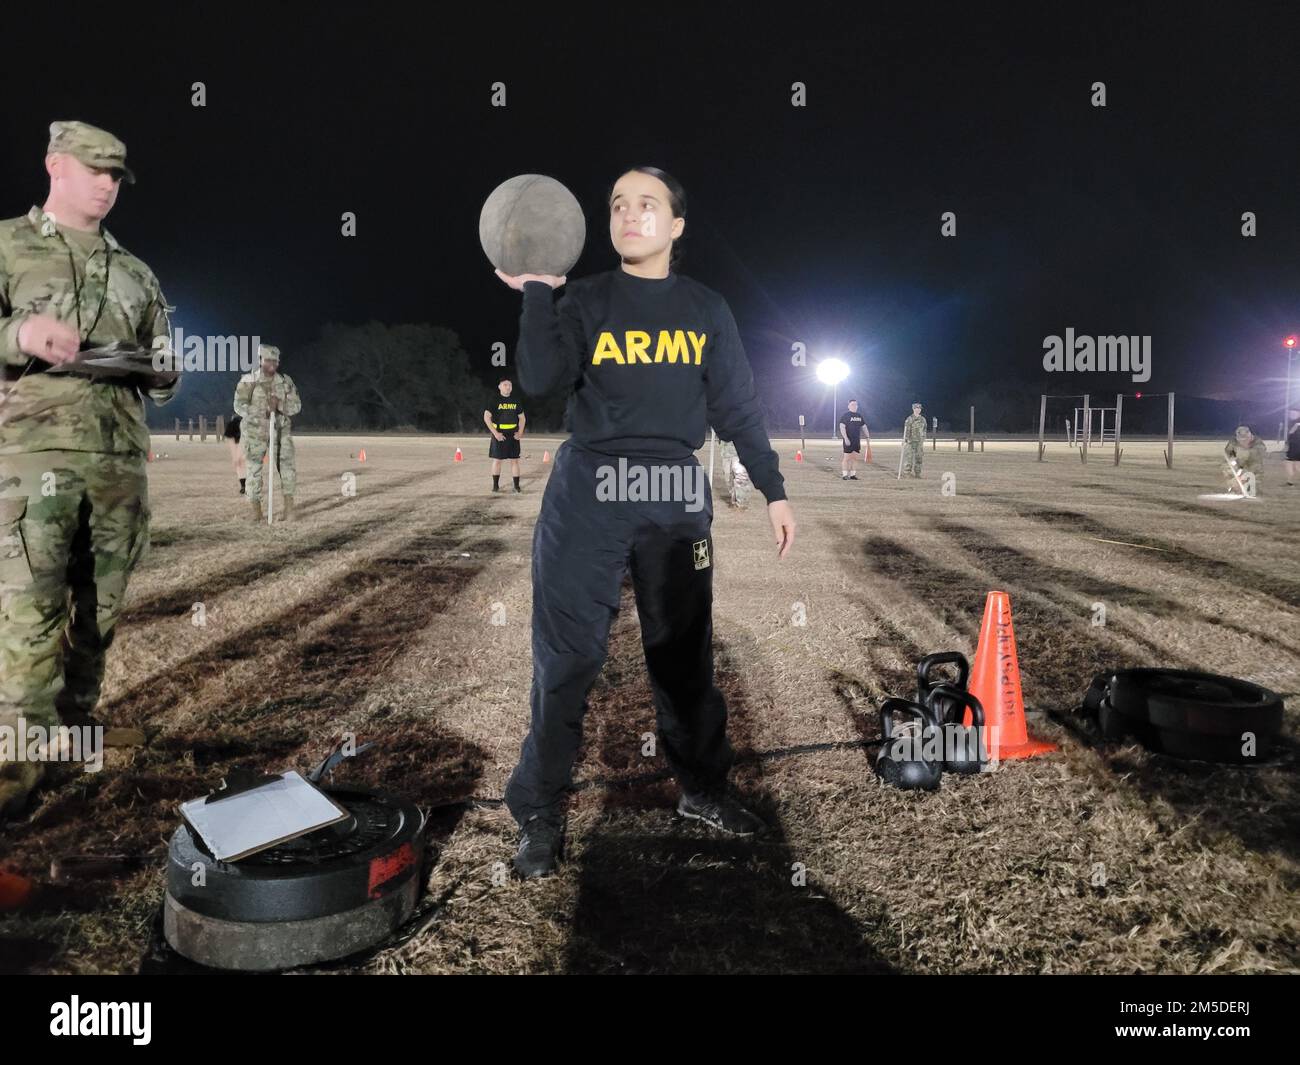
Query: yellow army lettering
{"x": 671, "y": 346}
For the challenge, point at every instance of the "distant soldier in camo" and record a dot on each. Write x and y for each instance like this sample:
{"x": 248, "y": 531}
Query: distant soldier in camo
{"x": 736, "y": 477}
{"x": 1247, "y": 451}
{"x": 258, "y": 393}
{"x": 913, "y": 441}
{"x": 74, "y": 499}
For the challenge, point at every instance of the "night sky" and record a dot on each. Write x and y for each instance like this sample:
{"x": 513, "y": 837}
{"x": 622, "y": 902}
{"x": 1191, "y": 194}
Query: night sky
{"x": 818, "y": 224}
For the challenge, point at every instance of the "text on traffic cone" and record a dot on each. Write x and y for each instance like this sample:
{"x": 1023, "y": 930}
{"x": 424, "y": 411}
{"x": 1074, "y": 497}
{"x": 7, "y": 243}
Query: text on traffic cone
{"x": 995, "y": 681}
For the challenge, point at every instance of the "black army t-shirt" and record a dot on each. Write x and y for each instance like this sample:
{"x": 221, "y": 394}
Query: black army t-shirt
{"x": 853, "y": 423}
{"x": 505, "y": 412}
{"x": 652, "y": 363}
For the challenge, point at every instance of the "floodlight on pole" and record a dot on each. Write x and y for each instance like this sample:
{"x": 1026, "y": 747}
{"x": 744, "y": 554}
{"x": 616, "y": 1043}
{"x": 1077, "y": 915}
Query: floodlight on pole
{"x": 832, "y": 372}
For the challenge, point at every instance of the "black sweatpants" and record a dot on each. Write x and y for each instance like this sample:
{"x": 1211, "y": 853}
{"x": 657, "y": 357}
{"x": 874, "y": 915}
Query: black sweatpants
{"x": 582, "y": 547}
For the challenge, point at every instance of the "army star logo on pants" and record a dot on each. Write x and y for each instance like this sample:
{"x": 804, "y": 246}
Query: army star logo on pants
{"x": 701, "y": 549}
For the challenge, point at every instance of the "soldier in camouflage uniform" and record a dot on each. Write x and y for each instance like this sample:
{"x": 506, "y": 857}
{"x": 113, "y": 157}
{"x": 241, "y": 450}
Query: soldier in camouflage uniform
{"x": 74, "y": 503}
{"x": 913, "y": 441}
{"x": 258, "y": 393}
{"x": 1248, "y": 451}
{"x": 736, "y": 477}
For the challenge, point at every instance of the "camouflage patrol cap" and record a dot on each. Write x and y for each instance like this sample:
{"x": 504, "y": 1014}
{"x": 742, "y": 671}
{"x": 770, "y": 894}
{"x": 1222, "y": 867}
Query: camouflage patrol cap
{"x": 91, "y": 145}
{"x": 268, "y": 353}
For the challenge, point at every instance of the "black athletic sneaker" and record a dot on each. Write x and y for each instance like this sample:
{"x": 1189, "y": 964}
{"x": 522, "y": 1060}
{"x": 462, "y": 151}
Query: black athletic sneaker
{"x": 540, "y": 844}
{"x": 518, "y": 489}
{"x": 719, "y": 810}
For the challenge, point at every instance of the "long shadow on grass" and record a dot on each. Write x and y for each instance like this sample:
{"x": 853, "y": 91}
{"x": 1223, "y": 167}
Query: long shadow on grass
{"x": 1270, "y": 529}
{"x": 658, "y": 896}
{"x": 258, "y": 561}
{"x": 1053, "y": 581}
{"x": 1179, "y": 557}
{"x": 1054, "y": 644}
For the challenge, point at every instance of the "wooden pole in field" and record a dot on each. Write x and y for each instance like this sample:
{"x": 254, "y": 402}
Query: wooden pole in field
{"x": 190, "y": 424}
{"x": 803, "y": 443}
{"x": 1087, "y": 424}
{"x": 270, "y": 475}
{"x": 203, "y": 428}
{"x": 970, "y": 446}
{"x": 178, "y": 428}
{"x": 1042, "y": 425}
{"x": 1169, "y": 447}
{"x": 221, "y": 426}
{"x": 1119, "y": 413}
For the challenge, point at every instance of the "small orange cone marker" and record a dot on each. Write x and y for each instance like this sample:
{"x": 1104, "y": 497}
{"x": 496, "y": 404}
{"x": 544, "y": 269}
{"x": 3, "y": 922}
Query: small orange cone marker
{"x": 546, "y": 457}
{"x": 15, "y": 890}
{"x": 362, "y": 455}
{"x": 798, "y": 456}
{"x": 459, "y": 457}
{"x": 150, "y": 457}
{"x": 995, "y": 682}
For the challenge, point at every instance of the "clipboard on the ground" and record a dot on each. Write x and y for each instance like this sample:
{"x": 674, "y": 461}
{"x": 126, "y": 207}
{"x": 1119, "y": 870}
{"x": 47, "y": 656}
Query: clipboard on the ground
{"x": 256, "y": 813}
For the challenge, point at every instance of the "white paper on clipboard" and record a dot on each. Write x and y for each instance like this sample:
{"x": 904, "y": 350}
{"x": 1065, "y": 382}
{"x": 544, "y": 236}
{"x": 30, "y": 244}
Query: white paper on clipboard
{"x": 261, "y": 817}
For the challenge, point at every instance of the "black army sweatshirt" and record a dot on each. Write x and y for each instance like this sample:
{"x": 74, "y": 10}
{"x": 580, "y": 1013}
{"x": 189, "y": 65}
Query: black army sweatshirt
{"x": 653, "y": 362}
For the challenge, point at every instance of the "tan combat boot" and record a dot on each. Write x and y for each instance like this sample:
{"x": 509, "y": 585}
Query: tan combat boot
{"x": 257, "y": 509}
{"x": 286, "y": 510}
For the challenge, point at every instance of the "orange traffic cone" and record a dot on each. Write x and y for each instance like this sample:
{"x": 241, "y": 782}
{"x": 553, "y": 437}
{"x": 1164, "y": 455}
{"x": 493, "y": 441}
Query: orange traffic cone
{"x": 15, "y": 891}
{"x": 798, "y": 456}
{"x": 546, "y": 457}
{"x": 149, "y": 457}
{"x": 459, "y": 457}
{"x": 995, "y": 681}
{"x": 362, "y": 456}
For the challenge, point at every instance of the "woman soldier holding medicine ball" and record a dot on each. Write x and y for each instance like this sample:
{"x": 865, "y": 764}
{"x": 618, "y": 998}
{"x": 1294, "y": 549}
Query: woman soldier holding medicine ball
{"x": 654, "y": 359}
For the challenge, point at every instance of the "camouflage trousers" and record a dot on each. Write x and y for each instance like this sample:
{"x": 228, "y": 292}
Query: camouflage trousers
{"x": 912, "y": 454}
{"x": 73, "y": 525}
{"x": 736, "y": 478}
{"x": 258, "y": 444}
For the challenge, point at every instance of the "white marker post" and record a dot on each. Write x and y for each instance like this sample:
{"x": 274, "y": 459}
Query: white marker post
{"x": 270, "y": 475}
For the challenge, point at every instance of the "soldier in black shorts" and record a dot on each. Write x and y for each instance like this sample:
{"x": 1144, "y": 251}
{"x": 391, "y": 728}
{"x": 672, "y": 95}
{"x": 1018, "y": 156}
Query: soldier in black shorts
{"x": 852, "y": 426}
{"x": 505, "y": 420}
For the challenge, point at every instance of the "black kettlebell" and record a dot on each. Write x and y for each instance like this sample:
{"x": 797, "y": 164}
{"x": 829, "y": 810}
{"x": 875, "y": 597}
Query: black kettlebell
{"x": 924, "y": 682}
{"x": 964, "y": 750}
{"x": 903, "y": 759}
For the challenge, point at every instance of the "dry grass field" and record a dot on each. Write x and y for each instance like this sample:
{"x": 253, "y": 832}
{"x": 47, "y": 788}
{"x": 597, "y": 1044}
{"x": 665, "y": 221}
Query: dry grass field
{"x": 373, "y": 614}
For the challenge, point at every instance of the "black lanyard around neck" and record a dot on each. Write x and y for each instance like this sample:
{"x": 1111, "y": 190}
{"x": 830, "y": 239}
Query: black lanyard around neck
{"x": 77, "y": 285}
